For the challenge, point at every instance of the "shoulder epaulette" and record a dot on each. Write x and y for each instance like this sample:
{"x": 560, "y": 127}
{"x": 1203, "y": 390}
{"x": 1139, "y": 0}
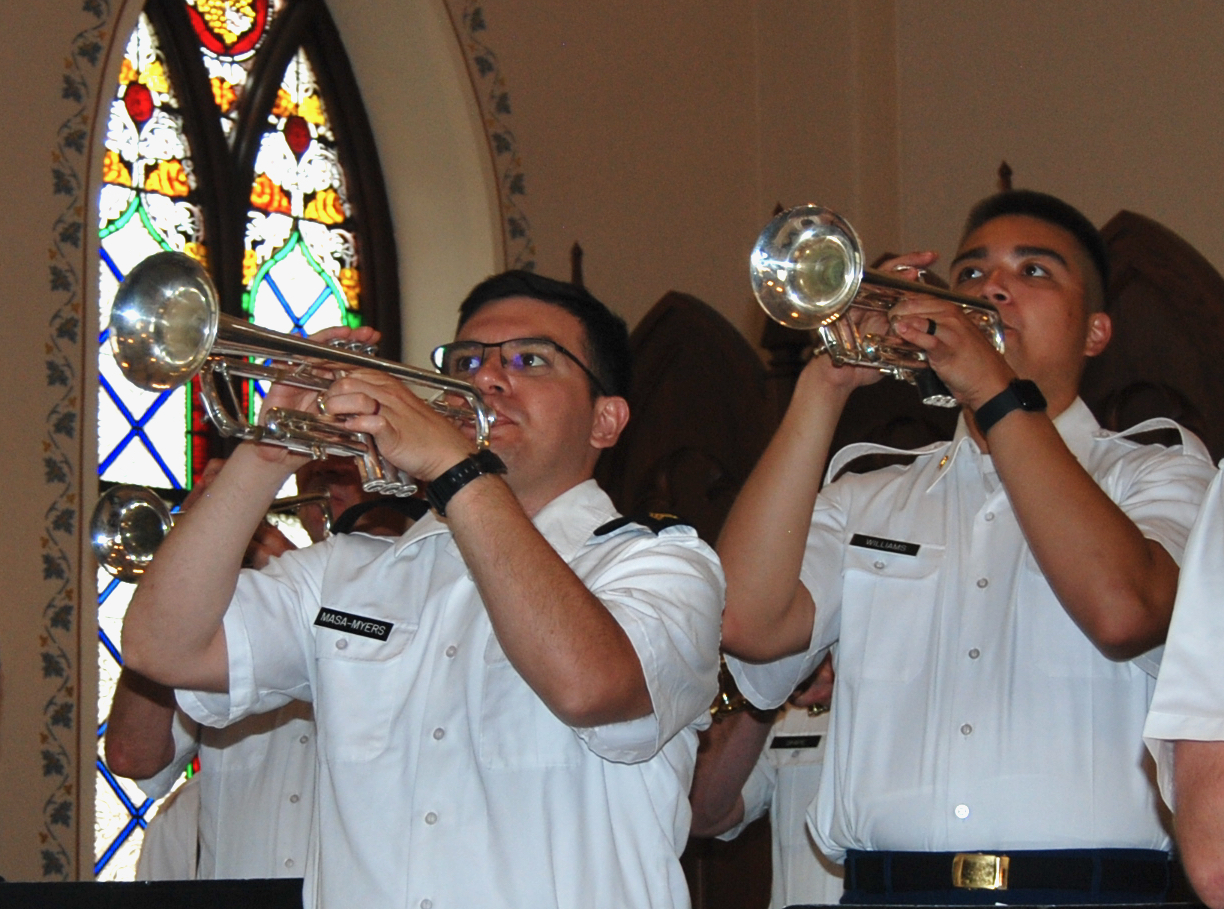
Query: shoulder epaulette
{"x": 654, "y": 522}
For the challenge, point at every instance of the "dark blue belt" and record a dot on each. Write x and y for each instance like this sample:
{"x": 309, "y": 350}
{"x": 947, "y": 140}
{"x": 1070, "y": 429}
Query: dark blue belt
{"x": 1089, "y": 871}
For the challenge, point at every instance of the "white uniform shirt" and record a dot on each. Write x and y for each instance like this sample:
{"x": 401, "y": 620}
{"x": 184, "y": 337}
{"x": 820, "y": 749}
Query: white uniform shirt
{"x": 784, "y": 782}
{"x": 170, "y": 849}
{"x": 1189, "y": 698}
{"x": 444, "y": 781}
{"x": 972, "y": 713}
{"x": 256, "y": 795}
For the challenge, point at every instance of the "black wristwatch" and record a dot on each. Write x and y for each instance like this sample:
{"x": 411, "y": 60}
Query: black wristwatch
{"x": 1020, "y": 394}
{"x": 444, "y": 486}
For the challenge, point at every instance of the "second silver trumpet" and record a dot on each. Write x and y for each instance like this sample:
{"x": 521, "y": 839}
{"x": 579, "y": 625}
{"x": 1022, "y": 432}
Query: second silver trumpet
{"x": 807, "y": 272}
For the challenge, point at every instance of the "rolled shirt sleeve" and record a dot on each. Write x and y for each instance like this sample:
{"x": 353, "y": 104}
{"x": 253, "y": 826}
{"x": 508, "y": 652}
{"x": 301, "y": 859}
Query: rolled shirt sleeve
{"x": 666, "y": 592}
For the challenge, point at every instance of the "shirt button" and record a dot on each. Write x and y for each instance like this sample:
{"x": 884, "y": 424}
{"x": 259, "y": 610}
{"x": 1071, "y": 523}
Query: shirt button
{"x": 974, "y": 653}
{"x": 451, "y": 650}
{"x": 294, "y": 799}
{"x": 426, "y": 904}
{"x": 431, "y": 818}
{"x": 966, "y": 729}
{"x": 983, "y": 583}
{"x": 962, "y": 811}
{"x": 439, "y": 733}
{"x": 288, "y": 863}
{"x": 990, "y": 516}
{"x": 879, "y": 566}
{"x": 341, "y": 644}
{"x": 304, "y": 739}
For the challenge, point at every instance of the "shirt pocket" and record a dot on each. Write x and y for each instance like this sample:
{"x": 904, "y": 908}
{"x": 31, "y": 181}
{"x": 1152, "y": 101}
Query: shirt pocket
{"x": 899, "y": 595}
{"x": 361, "y": 686}
{"x": 517, "y": 730}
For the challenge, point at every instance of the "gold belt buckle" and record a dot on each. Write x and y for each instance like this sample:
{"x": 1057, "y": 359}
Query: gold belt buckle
{"x": 978, "y": 871}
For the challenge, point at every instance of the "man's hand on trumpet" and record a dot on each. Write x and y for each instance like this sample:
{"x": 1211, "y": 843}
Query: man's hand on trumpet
{"x": 957, "y": 350}
{"x": 955, "y": 347}
{"x": 293, "y": 397}
{"x": 407, "y": 430}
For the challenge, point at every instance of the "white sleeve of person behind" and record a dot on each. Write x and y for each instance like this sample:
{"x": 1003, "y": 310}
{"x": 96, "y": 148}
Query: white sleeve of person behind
{"x": 1188, "y": 702}
{"x": 785, "y": 782}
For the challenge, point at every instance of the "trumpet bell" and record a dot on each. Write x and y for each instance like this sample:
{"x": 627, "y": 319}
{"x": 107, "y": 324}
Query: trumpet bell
{"x": 807, "y": 267}
{"x": 807, "y": 272}
{"x": 129, "y": 523}
{"x": 163, "y": 321}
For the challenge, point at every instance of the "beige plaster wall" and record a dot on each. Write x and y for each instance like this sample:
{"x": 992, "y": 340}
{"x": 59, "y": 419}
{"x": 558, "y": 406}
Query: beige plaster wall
{"x": 660, "y": 136}
{"x": 40, "y": 717}
{"x": 1111, "y": 105}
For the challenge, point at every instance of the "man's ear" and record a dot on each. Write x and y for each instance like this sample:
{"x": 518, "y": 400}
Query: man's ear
{"x": 611, "y": 415}
{"x": 1100, "y": 330}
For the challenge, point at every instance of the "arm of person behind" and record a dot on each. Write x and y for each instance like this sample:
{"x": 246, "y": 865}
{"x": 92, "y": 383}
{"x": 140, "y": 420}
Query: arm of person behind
{"x": 728, "y": 752}
{"x": 138, "y": 742}
{"x": 1199, "y": 820}
{"x": 734, "y": 783}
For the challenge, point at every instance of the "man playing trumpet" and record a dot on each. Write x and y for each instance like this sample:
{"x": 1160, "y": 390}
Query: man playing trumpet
{"x": 992, "y": 602}
{"x": 507, "y": 694}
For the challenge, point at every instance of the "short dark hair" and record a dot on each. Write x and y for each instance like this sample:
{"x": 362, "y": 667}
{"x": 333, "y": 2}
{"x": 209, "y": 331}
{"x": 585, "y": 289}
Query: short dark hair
{"x": 1050, "y": 209}
{"x": 607, "y": 336}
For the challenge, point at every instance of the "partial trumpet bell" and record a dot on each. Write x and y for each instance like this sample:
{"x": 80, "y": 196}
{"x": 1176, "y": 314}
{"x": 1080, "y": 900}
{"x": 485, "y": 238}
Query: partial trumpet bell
{"x": 164, "y": 321}
{"x": 807, "y": 266}
{"x": 128, "y": 524}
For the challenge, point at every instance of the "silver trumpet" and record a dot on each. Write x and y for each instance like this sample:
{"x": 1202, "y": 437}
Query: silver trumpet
{"x": 807, "y": 272}
{"x": 130, "y": 522}
{"x": 166, "y": 326}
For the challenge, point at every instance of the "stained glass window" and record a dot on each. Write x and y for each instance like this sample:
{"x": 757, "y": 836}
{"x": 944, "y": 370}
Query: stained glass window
{"x": 186, "y": 154}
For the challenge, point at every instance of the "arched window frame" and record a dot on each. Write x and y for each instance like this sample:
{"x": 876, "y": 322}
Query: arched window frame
{"x": 305, "y": 24}
{"x": 225, "y": 171}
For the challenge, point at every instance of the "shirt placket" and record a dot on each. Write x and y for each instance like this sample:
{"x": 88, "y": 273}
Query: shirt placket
{"x": 445, "y": 745}
{"x": 981, "y": 513}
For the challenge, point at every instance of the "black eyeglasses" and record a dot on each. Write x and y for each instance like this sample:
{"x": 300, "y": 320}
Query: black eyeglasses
{"x": 521, "y": 356}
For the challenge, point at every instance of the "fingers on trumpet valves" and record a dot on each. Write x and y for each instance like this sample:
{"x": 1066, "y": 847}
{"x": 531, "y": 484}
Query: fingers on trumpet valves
{"x": 345, "y": 405}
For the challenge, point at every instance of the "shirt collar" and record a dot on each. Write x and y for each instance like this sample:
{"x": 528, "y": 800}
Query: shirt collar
{"x": 1077, "y": 426}
{"x": 567, "y": 522}
{"x": 570, "y": 520}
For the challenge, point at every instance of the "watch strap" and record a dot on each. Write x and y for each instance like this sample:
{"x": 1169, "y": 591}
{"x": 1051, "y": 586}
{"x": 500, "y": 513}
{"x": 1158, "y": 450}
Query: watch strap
{"x": 1020, "y": 394}
{"x": 443, "y": 487}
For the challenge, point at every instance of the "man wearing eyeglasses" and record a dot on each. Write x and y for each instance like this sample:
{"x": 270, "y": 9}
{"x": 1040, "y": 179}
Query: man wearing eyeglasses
{"x": 507, "y": 695}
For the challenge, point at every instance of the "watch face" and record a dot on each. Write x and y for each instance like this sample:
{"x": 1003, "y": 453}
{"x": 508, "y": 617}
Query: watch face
{"x": 1029, "y": 394}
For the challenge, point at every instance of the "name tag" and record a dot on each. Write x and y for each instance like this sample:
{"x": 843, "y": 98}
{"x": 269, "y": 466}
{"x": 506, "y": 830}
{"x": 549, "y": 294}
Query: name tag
{"x": 796, "y": 741}
{"x": 897, "y": 546}
{"x": 354, "y": 624}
